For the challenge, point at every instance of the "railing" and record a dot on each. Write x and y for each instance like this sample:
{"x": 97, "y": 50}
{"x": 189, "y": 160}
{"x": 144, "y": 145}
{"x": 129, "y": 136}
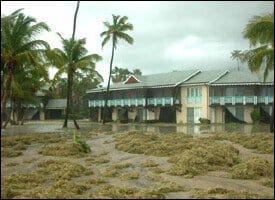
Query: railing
{"x": 194, "y": 99}
{"x": 135, "y": 102}
{"x": 222, "y": 100}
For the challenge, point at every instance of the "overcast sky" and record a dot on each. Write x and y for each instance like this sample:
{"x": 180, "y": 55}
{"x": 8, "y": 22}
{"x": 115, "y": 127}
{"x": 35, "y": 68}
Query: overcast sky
{"x": 167, "y": 35}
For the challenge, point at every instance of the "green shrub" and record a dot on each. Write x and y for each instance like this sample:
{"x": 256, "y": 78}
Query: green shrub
{"x": 255, "y": 115}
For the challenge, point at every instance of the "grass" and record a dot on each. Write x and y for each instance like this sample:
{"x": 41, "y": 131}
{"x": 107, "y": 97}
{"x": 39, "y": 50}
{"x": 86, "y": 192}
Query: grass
{"x": 30, "y": 138}
{"x": 23, "y": 180}
{"x": 10, "y": 164}
{"x": 221, "y": 193}
{"x": 154, "y": 177}
{"x": 95, "y": 181}
{"x": 157, "y": 170}
{"x": 260, "y": 142}
{"x": 115, "y": 192}
{"x": 125, "y": 192}
{"x": 101, "y": 160}
{"x": 212, "y": 155}
{"x": 109, "y": 172}
{"x": 113, "y": 170}
{"x": 62, "y": 169}
{"x": 253, "y": 168}
{"x": 13, "y": 145}
{"x": 8, "y": 193}
{"x": 10, "y": 152}
{"x": 58, "y": 190}
{"x": 170, "y": 186}
{"x": 129, "y": 175}
{"x": 65, "y": 149}
{"x": 149, "y": 163}
{"x": 268, "y": 182}
{"x": 153, "y": 144}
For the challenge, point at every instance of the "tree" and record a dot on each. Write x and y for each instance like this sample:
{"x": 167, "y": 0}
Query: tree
{"x": 72, "y": 59}
{"x": 236, "y": 54}
{"x": 119, "y": 74}
{"x": 137, "y": 72}
{"x": 114, "y": 32}
{"x": 19, "y": 49}
{"x": 24, "y": 87}
{"x": 260, "y": 33}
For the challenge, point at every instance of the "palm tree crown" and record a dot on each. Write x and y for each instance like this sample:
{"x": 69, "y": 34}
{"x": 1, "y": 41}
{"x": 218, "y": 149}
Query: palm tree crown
{"x": 260, "y": 33}
{"x": 117, "y": 30}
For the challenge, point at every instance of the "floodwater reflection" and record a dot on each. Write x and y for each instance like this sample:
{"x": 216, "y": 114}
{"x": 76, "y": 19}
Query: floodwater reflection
{"x": 56, "y": 125}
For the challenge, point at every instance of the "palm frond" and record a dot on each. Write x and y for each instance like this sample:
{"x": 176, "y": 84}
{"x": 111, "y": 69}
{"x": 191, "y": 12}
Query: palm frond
{"x": 260, "y": 29}
{"x": 105, "y": 40}
{"x": 125, "y": 37}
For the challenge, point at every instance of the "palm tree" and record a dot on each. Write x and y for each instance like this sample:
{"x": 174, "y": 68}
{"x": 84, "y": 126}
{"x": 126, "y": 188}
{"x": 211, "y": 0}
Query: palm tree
{"x": 260, "y": 33}
{"x": 72, "y": 58}
{"x": 114, "y": 32}
{"x": 19, "y": 49}
{"x": 236, "y": 54}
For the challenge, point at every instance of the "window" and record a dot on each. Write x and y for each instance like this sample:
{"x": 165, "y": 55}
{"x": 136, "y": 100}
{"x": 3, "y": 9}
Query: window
{"x": 194, "y": 94}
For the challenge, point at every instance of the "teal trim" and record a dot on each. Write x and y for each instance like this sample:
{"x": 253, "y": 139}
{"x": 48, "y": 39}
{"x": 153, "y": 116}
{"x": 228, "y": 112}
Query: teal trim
{"x": 222, "y": 100}
{"x": 135, "y": 102}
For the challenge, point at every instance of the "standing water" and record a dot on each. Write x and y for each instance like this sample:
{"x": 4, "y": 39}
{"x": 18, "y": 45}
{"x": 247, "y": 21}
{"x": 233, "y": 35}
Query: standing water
{"x": 56, "y": 125}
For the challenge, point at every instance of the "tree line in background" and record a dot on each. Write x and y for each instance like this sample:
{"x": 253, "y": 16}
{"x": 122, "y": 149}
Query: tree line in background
{"x": 25, "y": 61}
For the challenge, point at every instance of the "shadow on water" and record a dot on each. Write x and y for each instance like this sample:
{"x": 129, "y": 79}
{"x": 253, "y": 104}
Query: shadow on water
{"x": 56, "y": 126}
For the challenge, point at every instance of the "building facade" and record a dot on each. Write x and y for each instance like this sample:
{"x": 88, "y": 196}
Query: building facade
{"x": 185, "y": 96}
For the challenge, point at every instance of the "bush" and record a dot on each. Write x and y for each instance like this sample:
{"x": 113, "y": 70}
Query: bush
{"x": 255, "y": 116}
{"x": 204, "y": 121}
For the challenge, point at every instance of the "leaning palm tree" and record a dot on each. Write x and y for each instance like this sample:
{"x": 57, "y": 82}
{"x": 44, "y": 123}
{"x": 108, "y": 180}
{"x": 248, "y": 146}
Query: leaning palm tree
{"x": 236, "y": 54}
{"x": 260, "y": 33}
{"x": 19, "y": 49}
{"x": 115, "y": 31}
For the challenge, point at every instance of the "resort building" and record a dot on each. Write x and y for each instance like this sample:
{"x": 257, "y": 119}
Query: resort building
{"x": 186, "y": 96}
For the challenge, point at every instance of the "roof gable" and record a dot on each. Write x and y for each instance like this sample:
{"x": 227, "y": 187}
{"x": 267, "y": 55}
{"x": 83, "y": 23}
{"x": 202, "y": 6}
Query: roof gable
{"x": 132, "y": 79}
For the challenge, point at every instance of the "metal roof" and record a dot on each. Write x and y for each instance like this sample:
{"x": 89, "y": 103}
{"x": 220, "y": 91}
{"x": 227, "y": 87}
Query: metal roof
{"x": 56, "y": 104}
{"x": 170, "y": 79}
{"x": 206, "y": 76}
{"x": 193, "y": 77}
{"x": 244, "y": 77}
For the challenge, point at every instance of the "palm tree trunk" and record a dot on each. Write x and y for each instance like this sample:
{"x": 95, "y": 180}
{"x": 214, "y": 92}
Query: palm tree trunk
{"x": 68, "y": 108}
{"x": 5, "y": 95}
{"x": 71, "y": 102}
{"x": 108, "y": 86}
{"x": 70, "y": 79}
{"x": 272, "y": 119}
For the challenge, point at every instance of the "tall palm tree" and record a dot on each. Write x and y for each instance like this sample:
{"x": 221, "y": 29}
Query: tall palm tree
{"x": 260, "y": 33}
{"x": 19, "y": 48}
{"x": 236, "y": 54}
{"x": 115, "y": 31}
{"x": 71, "y": 58}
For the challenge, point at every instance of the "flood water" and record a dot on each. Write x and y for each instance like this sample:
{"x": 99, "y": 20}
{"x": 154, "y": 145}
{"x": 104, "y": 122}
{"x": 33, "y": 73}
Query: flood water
{"x": 56, "y": 126}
